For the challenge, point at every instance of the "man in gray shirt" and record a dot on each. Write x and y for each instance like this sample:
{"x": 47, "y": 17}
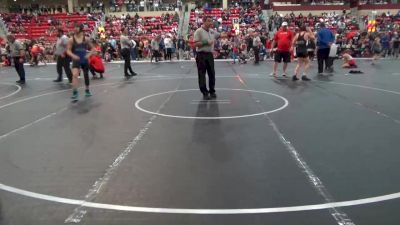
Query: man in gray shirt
{"x": 204, "y": 39}
{"x": 155, "y": 48}
{"x": 63, "y": 61}
{"x": 256, "y": 47}
{"x": 18, "y": 54}
{"x": 126, "y": 45}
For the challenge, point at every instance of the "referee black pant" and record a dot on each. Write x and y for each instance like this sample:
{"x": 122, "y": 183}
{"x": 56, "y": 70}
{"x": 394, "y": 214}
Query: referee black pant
{"x": 323, "y": 56}
{"x": 205, "y": 63}
{"x": 19, "y": 67}
{"x": 64, "y": 62}
{"x": 126, "y": 54}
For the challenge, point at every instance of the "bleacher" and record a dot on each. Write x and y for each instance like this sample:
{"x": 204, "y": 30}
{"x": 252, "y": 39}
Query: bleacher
{"x": 228, "y": 17}
{"x": 149, "y": 26}
{"x": 39, "y": 28}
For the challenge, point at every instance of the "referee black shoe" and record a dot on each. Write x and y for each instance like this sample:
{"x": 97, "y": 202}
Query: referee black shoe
{"x": 206, "y": 96}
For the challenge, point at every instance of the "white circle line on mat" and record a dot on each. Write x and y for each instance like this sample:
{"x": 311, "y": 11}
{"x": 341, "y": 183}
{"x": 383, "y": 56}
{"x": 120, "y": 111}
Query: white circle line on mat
{"x": 13, "y": 93}
{"x": 199, "y": 211}
{"x": 137, "y": 105}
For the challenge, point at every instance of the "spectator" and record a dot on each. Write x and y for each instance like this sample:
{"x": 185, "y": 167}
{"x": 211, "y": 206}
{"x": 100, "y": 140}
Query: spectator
{"x": 181, "y": 47}
{"x": 155, "y": 47}
{"x": 168, "y": 46}
{"x": 376, "y": 50}
{"x": 385, "y": 42}
{"x": 256, "y": 47}
{"x": 396, "y": 45}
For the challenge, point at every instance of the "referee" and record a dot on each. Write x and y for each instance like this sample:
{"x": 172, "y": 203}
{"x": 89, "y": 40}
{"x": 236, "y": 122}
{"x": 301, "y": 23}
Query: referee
{"x": 204, "y": 39}
{"x": 126, "y": 46}
{"x": 17, "y": 52}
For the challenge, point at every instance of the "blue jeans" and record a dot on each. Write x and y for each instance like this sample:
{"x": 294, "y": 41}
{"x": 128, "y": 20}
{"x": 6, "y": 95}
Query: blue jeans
{"x": 133, "y": 54}
{"x": 385, "y": 51}
{"x": 234, "y": 56}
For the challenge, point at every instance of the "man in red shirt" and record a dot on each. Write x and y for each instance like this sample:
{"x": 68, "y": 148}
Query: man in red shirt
{"x": 282, "y": 44}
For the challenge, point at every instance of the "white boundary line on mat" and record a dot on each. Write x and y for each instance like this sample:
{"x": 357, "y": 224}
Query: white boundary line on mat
{"x": 13, "y": 93}
{"x": 199, "y": 211}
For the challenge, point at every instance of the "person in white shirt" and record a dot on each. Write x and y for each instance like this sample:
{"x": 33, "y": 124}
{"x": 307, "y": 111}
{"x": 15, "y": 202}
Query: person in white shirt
{"x": 256, "y": 47}
{"x": 168, "y": 47}
{"x": 155, "y": 48}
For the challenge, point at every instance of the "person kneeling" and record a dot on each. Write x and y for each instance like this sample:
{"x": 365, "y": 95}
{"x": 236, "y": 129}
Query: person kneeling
{"x": 349, "y": 61}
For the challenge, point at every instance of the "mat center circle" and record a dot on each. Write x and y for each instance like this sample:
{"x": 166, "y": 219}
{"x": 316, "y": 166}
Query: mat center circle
{"x": 230, "y": 104}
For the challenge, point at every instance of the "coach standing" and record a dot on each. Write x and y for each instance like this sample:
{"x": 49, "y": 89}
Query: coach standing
{"x": 325, "y": 39}
{"x": 204, "y": 39}
{"x": 283, "y": 42}
{"x": 18, "y": 54}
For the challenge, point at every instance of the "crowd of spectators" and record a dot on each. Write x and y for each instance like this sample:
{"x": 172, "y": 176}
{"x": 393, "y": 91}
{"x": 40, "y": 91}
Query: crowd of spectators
{"x": 35, "y": 26}
{"x": 351, "y": 35}
{"x": 331, "y": 2}
{"x": 350, "y": 32}
{"x": 141, "y": 5}
{"x": 142, "y": 30}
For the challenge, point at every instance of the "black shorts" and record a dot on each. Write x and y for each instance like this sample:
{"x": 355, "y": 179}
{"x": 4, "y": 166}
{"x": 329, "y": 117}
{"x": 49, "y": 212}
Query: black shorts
{"x": 78, "y": 65}
{"x": 301, "y": 55}
{"x": 282, "y": 55}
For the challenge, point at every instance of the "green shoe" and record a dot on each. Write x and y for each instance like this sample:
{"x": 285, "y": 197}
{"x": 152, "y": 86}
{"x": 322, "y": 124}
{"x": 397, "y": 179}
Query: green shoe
{"x": 87, "y": 93}
{"x": 74, "y": 96}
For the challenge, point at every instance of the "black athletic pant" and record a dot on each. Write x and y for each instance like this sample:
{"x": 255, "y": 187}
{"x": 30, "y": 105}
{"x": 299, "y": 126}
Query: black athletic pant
{"x": 126, "y": 54}
{"x": 256, "y": 54}
{"x": 323, "y": 55}
{"x": 19, "y": 67}
{"x": 156, "y": 55}
{"x": 169, "y": 54}
{"x": 85, "y": 70}
{"x": 64, "y": 63}
{"x": 93, "y": 71}
{"x": 205, "y": 63}
{"x": 35, "y": 59}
